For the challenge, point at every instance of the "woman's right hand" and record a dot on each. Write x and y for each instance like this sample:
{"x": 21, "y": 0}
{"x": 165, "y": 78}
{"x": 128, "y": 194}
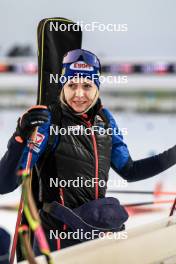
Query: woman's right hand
{"x": 33, "y": 117}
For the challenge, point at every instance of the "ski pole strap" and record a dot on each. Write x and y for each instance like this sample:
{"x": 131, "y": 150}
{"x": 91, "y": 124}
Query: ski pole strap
{"x": 25, "y": 244}
{"x": 34, "y": 220}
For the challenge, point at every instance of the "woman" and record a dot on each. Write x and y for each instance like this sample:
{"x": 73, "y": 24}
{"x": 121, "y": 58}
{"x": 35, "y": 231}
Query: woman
{"x": 84, "y": 152}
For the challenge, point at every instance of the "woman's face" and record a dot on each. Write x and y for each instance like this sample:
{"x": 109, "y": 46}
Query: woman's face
{"x": 79, "y": 93}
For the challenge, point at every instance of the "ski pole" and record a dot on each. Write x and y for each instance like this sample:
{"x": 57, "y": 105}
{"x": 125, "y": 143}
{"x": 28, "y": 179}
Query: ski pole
{"x": 30, "y": 209}
{"x": 27, "y": 202}
{"x": 148, "y": 203}
{"x": 142, "y": 192}
{"x": 173, "y": 208}
{"x": 15, "y": 238}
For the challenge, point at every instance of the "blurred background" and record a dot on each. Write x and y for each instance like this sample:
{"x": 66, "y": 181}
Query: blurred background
{"x": 142, "y": 58}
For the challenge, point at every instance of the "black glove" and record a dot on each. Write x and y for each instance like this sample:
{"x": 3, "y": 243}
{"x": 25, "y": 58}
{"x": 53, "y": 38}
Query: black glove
{"x": 36, "y": 116}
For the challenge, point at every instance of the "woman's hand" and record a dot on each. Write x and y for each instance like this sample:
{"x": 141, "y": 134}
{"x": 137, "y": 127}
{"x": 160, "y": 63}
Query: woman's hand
{"x": 33, "y": 117}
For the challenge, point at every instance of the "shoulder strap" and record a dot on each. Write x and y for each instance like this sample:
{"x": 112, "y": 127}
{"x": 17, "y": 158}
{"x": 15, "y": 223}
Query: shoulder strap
{"x": 56, "y": 112}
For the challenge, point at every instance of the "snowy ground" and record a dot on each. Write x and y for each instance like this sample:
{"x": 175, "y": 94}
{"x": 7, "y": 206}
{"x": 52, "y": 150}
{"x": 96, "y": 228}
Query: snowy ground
{"x": 147, "y": 135}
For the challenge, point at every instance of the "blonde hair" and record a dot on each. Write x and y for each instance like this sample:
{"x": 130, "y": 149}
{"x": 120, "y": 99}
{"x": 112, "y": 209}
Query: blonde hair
{"x": 63, "y": 101}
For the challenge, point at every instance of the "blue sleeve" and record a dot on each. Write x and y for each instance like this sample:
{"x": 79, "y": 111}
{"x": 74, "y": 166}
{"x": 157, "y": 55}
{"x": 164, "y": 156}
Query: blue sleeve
{"x": 8, "y": 166}
{"x": 16, "y": 157}
{"x": 137, "y": 170}
{"x": 120, "y": 154}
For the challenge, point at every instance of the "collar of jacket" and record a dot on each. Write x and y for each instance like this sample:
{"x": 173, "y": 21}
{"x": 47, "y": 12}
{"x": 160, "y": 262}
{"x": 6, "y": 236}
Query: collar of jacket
{"x": 88, "y": 116}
